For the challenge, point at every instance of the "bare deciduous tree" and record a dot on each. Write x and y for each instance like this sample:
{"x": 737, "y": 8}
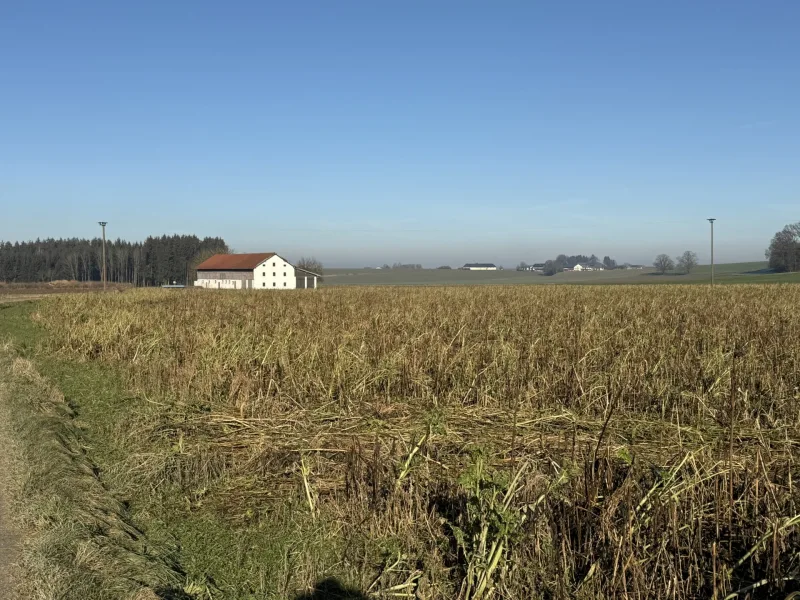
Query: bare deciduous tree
{"x": 687, "y": 261}
{"x": 311, "y": 264}
{"x": 663, "y": 263}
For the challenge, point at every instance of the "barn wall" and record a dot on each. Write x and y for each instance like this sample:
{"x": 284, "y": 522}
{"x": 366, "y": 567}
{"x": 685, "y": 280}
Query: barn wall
{"x": 220, "y": 284}
{"x": 235, "y": 275}
{"x": 224, "y": 280}
{"x": 275, "y": 273}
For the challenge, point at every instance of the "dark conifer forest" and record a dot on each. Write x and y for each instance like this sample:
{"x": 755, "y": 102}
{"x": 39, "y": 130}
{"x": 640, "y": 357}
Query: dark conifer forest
{"x": 155, "y": 261}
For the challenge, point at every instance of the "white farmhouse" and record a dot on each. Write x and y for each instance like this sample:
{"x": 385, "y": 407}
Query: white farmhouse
{"x": 263, "y": 271}
{"x": 479, "y": 267}
{"x": 587, "y": 267}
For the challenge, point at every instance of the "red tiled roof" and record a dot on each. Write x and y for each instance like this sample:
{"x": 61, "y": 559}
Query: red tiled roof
{"x": 234, "y": 262}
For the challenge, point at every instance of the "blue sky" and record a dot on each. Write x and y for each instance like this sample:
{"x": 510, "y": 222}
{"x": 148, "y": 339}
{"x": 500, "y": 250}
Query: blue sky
{"x": 432, "y": 132}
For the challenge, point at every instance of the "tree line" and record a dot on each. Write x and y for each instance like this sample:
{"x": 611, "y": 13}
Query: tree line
{"x": 155, "y": 261}
{"x": 685, "y": 263}
{"x": 398, "y": 265}
{"x": 562, "y": 261}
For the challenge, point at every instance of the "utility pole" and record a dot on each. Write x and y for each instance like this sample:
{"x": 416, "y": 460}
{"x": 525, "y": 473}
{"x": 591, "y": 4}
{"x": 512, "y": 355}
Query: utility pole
{"x": 103, "y": 225}
{"x": 712, "y": 249}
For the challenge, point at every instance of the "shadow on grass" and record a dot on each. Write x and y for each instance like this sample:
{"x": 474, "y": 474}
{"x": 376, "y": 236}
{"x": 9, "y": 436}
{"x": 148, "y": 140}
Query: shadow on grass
{"x": 759, "y": 272}
{"x": 331, "y": 589}
{"x": 169, "y": 594}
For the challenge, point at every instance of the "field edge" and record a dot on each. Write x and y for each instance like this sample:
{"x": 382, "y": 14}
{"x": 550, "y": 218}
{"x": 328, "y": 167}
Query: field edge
{"x": 80, "y": 541}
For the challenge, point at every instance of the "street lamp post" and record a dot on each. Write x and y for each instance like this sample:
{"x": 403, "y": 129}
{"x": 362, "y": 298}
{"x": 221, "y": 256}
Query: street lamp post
{"x": 103, "y": 225}
{"x": 712, "y": 249}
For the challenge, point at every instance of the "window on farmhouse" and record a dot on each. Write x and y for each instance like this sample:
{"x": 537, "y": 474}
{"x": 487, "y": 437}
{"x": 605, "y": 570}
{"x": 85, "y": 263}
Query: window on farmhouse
{"x": 264, "y": 284}
{"x": 274, "y": 284}
{"x": 284, "y": 273}
{"x": 284, "y": 284}
{"x": 273, "y": 264}
{"x": 273, "y": 273}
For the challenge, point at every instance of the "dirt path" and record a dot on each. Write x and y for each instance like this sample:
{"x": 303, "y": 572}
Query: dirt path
{"x": 10, "y": 538}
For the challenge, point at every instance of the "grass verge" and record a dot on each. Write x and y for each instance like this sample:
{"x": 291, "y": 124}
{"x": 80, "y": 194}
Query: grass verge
{"x": 222, "y": 552}
{"x": 83, "y": 542}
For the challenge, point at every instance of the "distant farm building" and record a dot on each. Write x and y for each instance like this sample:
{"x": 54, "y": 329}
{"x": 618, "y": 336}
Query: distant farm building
{"x": 263, "y": 271}
{"x": 533, "y": 267}
{"x": 479, "y": 267}
{"x": 585, "y": 267}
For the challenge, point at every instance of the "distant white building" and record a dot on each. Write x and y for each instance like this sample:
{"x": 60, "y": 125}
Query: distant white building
{"x": 479, "y": 267}
{"x": 533, "y": 267}
{"x": 263, "y": 271}
{"x": 586, "y": 267}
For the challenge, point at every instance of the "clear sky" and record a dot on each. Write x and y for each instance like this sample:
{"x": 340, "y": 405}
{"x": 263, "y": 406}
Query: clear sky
{"x": 416, "y": 131}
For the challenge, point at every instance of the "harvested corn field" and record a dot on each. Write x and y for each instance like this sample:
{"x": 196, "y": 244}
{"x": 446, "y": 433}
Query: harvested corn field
{"x": 507, "y": 442}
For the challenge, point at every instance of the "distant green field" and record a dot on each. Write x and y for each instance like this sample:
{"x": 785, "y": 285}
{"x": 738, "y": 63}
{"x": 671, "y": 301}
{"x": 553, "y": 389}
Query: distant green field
{"x": 752, "y": 272}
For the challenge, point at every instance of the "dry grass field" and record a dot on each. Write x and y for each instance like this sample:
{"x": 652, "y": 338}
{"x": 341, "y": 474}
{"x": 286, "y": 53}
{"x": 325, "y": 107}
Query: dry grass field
{"x": 496, "y": 442}
{"x": 24, "y": 292}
